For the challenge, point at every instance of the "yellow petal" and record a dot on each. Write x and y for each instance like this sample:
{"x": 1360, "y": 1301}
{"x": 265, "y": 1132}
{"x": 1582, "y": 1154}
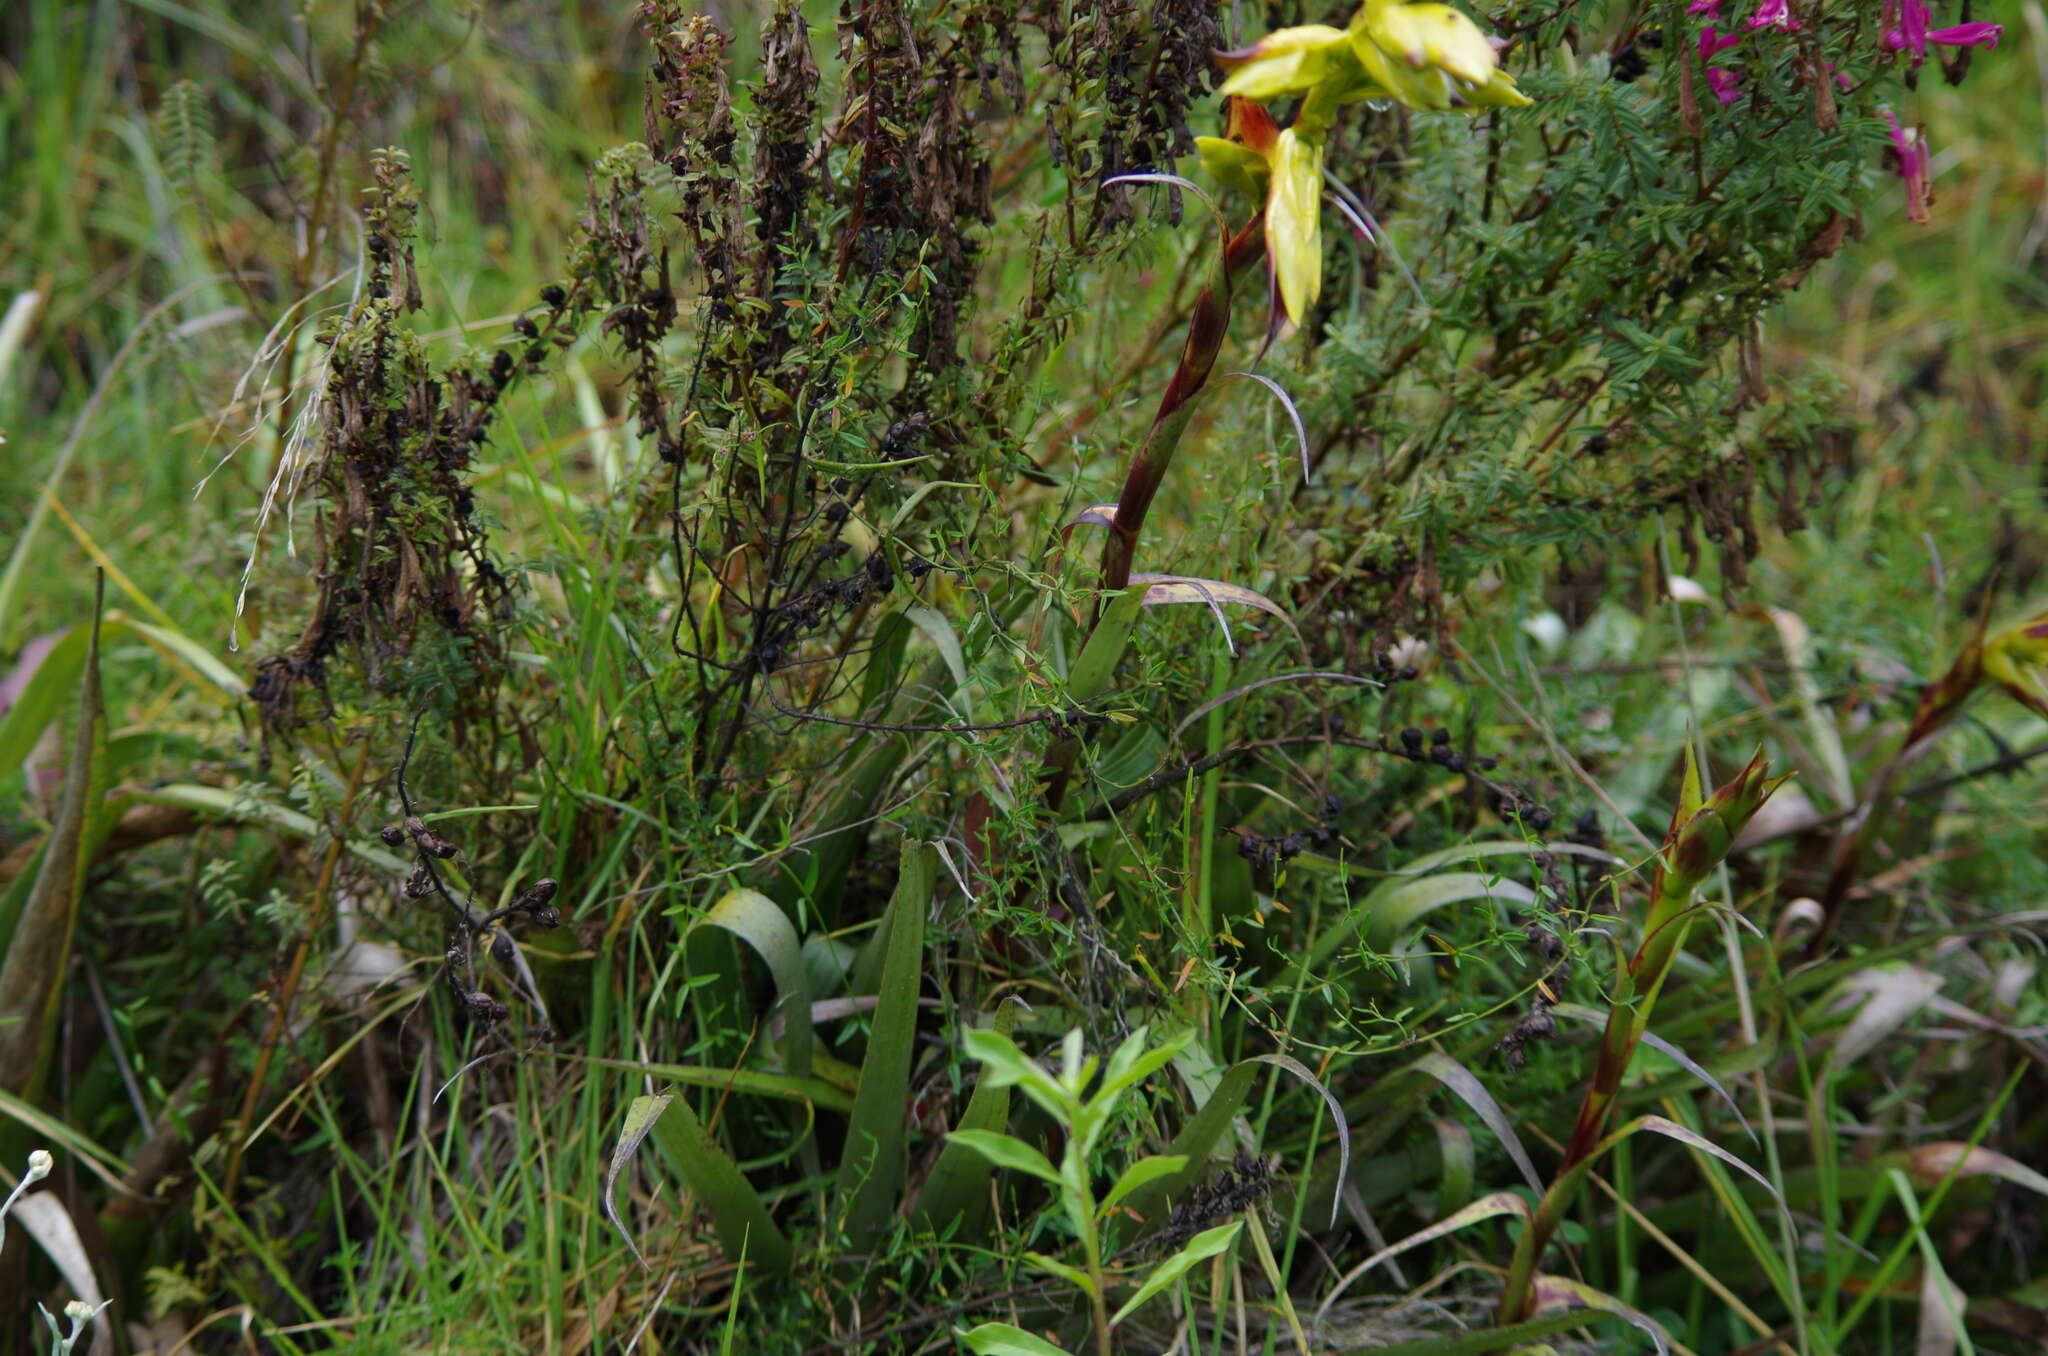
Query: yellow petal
{"x": 1498, "y": 92}
{"x": 1286, "y": 61}
{"x": 1424, "y": 88}
{"x": 1234, "y": 166}
{"x": 1432, "y": 35}
{"x": 1294, "y": 222}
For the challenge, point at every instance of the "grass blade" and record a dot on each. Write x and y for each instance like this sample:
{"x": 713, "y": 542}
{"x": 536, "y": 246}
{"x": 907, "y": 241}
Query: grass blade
{"x": 640, "y": 1118}
{"x": 1473, "y": 1093}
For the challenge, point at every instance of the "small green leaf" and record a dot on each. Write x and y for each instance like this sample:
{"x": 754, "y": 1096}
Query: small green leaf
{"x": 1075, "y": 1275}
{"x": 1007, "y": 1066}
{"x": 1007, "y": 1151}
{"x": 1201, "y": 1247}
{"x": 1003, "y": 1339}
{"x": 1124, "y": 1073}
{"x": 1143, "y": 1171}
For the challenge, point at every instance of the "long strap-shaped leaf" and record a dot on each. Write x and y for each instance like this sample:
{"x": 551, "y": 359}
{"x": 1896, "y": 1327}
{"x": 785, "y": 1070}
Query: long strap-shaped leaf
{"x": 743, "y": 1225}
{"x": 32, "y": 974}
{"x": 759, "y": 921}
{"x": 871, "y": 1170}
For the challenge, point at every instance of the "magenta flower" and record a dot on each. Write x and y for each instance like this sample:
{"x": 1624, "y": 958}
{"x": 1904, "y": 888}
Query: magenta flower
{"x": 1774, "y": 14}
{"x": 1710, "y": 8}
{"x": 1712, "y": 41}
{"x": 1724, "y": 84}
{"x": 1909, "y": 147}
{"x": 1905, "y": 30}
{"x": 1968, "y": 35}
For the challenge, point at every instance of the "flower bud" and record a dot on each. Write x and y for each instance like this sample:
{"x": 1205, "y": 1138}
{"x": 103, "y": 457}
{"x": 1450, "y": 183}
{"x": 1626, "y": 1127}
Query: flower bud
{"x": 1702, "y": 831}
{"x": 2017, "y": 660}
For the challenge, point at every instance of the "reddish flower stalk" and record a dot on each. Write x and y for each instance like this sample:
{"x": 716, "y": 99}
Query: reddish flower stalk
{"x": 1208, "y": 325}
{"x": 1703, "y": 829}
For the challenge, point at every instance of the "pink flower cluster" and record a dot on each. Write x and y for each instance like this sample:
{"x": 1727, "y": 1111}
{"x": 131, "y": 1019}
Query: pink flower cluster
{"x": 1769, "y": 14}
{"x": 1904, "y": 24}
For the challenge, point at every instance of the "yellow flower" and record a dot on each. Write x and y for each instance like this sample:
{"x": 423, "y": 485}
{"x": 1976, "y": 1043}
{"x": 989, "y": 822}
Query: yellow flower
{"x": 1294, "y": 221}
{"x": 1426, "y": 56}
{"x": 1426, "y": 36}
{"x": 1283, "y": 171}
{"x": 1423, "y": 55}
{"x": 1287, "y": 61}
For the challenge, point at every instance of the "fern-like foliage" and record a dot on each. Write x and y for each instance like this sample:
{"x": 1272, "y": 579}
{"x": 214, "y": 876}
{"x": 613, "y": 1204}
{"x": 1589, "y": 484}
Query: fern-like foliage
{"x": 183, "y": 126}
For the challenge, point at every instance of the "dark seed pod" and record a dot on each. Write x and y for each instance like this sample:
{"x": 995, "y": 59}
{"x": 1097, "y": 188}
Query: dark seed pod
{"x": 545, "y": 916}
{"x": 553, "y": 295}
{"x": 485, "y": 1010}
{"x": 393, "y": 835}
{"x": 502, "y": 949}
{"x": 535, "y": 895}
{"x": 429, "y": 842}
